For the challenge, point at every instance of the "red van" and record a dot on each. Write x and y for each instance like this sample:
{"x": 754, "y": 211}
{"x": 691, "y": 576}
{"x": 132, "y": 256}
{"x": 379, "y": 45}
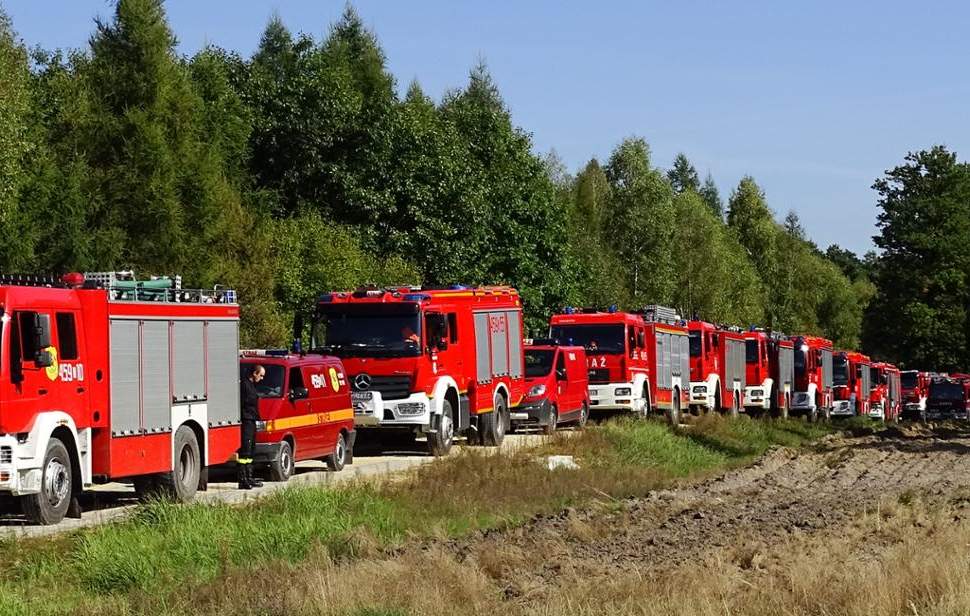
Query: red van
{"x": 305, "y": 411}
{"x": 557, "y": 386}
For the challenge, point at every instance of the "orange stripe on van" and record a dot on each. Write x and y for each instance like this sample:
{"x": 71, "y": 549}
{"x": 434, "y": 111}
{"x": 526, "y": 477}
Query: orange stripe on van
{"x": 311, "y": 419}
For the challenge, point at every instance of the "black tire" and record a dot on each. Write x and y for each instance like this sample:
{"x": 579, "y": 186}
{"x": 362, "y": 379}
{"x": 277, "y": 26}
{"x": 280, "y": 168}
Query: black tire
{"x": 50, "y": 505}
{"x": 550, "y": 428}
{"x": 181, "y": 484}
{"x": 338, "y": 459}
{"x": 673, "y": 413}
{"x": 494, "y": 423}
{"x": 439, "y": 443}
{"x": 583, "y": 416}
{"x": 282, "y": 468}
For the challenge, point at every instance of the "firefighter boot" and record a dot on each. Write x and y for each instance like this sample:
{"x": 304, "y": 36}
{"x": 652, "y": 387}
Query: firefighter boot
{"x": 254, "y": 481}
{"x": 244, "y": 482}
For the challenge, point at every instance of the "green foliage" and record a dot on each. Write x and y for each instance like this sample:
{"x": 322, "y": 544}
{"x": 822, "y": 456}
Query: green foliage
{"x": 712, "y": 197}
{"x": 300, "y": 169}
{"x": 714, "y": 278}
{"x": 641, "y": 223}
{"x": 924, "y": 270}
{"x": 683, "y": 176}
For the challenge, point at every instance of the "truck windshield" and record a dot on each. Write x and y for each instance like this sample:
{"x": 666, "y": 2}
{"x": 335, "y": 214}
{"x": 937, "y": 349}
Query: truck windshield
{"x": 946, "y": 391}
{"x": 751, "y": 351}
{"x": 381, "y": 330}
{"x": 603, "y": 339}
{"x": 840, "y": 370}
{"x": 272, "y": 384}
{"x": 538, "y": 363}
{"x": 909, "y": 380}
{"x": 694, "y": 340}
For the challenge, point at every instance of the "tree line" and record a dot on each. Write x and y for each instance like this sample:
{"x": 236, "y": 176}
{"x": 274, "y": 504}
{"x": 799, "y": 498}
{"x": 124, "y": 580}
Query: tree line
{"x": 301, "y": 168}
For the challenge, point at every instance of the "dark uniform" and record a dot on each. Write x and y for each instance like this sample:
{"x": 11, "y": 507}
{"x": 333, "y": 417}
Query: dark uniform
{"x": 249, "y": 414}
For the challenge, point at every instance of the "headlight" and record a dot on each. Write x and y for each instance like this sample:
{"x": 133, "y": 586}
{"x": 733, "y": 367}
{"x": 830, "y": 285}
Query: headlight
{"x": 757, "y": 393}
{"x": 622, "y": 391}
{"x": 260, "y": 426}
{"x": 700, "y": 389}
{"x": 537, "y": 390}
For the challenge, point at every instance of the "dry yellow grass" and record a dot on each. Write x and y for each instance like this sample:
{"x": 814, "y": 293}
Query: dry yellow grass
{"x": 900, "y": 559}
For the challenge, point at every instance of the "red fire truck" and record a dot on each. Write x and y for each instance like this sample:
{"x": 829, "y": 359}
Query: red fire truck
{"x": 107, "y": 378}
{"x": 716, "y": 368}
{"x": 769, "y": 374}
{"x": 914, "y": 386}
{"x": 438, "y": 362}
{"x": 638, "y": 362}
{"x": 304, "y": 405}
{"x": 813, "y": 377}
{"x": 851, "y": 376}
{"x": 885, "y": 395}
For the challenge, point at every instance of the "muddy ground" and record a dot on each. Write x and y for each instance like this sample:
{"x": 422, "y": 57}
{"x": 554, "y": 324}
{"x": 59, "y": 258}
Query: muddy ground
{"x": 750, "y": 510}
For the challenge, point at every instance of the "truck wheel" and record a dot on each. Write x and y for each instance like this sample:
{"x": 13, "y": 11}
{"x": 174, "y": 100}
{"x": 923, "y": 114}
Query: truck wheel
{"x": 673, "y": 413}
{"x": 182, "y": 482}
{"x": 439, "y": 443}
{"x": 494, "y": 425}
{"x": 583, "y": 416}
{"x": 49, "y": 506}
{"x": 281, "y": 469}
{"x": 550, "y": 428}
{"x": 337, "y": 460}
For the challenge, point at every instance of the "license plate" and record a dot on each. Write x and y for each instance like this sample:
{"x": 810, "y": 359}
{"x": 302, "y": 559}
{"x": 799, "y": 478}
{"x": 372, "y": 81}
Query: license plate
{"x": 362, "y": 396}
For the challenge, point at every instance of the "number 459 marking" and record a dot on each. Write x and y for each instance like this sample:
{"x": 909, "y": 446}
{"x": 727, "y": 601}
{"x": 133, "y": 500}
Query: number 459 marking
{"x": 71, "y": 372}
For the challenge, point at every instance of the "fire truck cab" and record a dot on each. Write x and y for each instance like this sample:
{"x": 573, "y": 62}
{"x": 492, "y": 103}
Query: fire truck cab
{"x": 948, "y": 398}
{"x": 769, "y": 372}
{"x": 914, "y": 387}
{"x": 717, "y": 371}
{"x": 850, "y": 384}
{"x": 103, "y": 377}
{"x": 885, "y": 395}
{"x": 437, "y": 362}
{"x": 813, "y": 377}
{"x": 304, "y": 409}
{"x": 638, "y": 362}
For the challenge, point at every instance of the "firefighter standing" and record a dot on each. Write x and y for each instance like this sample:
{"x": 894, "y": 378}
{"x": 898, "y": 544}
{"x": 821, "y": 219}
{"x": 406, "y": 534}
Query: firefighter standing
{"x": 249, "y": 401}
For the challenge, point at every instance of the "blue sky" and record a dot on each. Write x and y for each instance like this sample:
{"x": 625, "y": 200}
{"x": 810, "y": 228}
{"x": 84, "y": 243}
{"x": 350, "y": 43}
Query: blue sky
{"x": 814, "y": 100}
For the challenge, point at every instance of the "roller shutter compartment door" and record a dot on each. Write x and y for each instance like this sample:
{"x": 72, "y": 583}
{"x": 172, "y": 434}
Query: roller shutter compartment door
{"x": 222, "y": 372}
{"x": 500, "y": 343}
{"x": 188, "y": 361}
{"x": 125, "y": 378}
{"x": 483, "y": 364}
{"x": 516, "y": 359}
{"x": 155, "y": 383}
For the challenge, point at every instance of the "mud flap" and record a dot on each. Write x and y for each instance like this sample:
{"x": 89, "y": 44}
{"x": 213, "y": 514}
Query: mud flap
{"x": 351, "y": 439}
{"x": 464, "y": 419}
{"x": 204, "y": 479}
{"x": 74, "y": 509}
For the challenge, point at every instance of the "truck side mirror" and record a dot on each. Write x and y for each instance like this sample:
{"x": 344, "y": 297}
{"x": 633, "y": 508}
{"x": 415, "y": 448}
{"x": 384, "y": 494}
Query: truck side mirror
{"x": 44, "y": 359}
{"x": 42, "y": 330}
{"x": 299, "y": 393}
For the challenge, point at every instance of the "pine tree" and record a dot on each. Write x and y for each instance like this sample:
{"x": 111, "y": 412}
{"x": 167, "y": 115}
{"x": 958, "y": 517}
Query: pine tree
{"x": 683, "y": 176}
{"x": 712, "y": 197}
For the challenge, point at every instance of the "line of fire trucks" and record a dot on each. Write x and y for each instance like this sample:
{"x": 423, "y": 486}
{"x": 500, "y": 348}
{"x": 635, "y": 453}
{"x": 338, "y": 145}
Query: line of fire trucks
{"x": 107, "y": 378}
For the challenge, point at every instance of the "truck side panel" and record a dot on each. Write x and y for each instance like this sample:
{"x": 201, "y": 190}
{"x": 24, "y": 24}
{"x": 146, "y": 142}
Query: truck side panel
{"x": 483, "y": 372}
{"x": 222, "y": 373}
{"x": 125, "y": 378}
{"x": 155, "y": 382}
{"x": 188, "y": 361}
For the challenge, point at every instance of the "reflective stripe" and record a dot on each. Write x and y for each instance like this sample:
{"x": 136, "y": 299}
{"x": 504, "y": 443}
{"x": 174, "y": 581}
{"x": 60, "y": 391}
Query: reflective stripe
{"x": 244, "y": 461}
{"x": 311, "y": 419}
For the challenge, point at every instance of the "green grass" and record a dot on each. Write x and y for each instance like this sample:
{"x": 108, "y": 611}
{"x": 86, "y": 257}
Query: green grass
{"x": 153, "y": 560}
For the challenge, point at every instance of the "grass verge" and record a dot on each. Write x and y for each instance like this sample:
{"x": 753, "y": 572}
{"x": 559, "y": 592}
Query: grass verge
{"x": 168, "y": 559}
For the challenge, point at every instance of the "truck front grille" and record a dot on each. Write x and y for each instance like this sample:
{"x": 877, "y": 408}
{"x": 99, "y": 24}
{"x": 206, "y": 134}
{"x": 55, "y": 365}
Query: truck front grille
{"x": 599, "y": 375}
{"x": 6, "y": 454}
{"x": 393, "y": 387}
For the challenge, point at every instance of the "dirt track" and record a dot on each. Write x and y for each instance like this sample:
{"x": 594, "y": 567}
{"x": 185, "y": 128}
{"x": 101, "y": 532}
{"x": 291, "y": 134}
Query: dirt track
{"x": 784, "y": 494}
